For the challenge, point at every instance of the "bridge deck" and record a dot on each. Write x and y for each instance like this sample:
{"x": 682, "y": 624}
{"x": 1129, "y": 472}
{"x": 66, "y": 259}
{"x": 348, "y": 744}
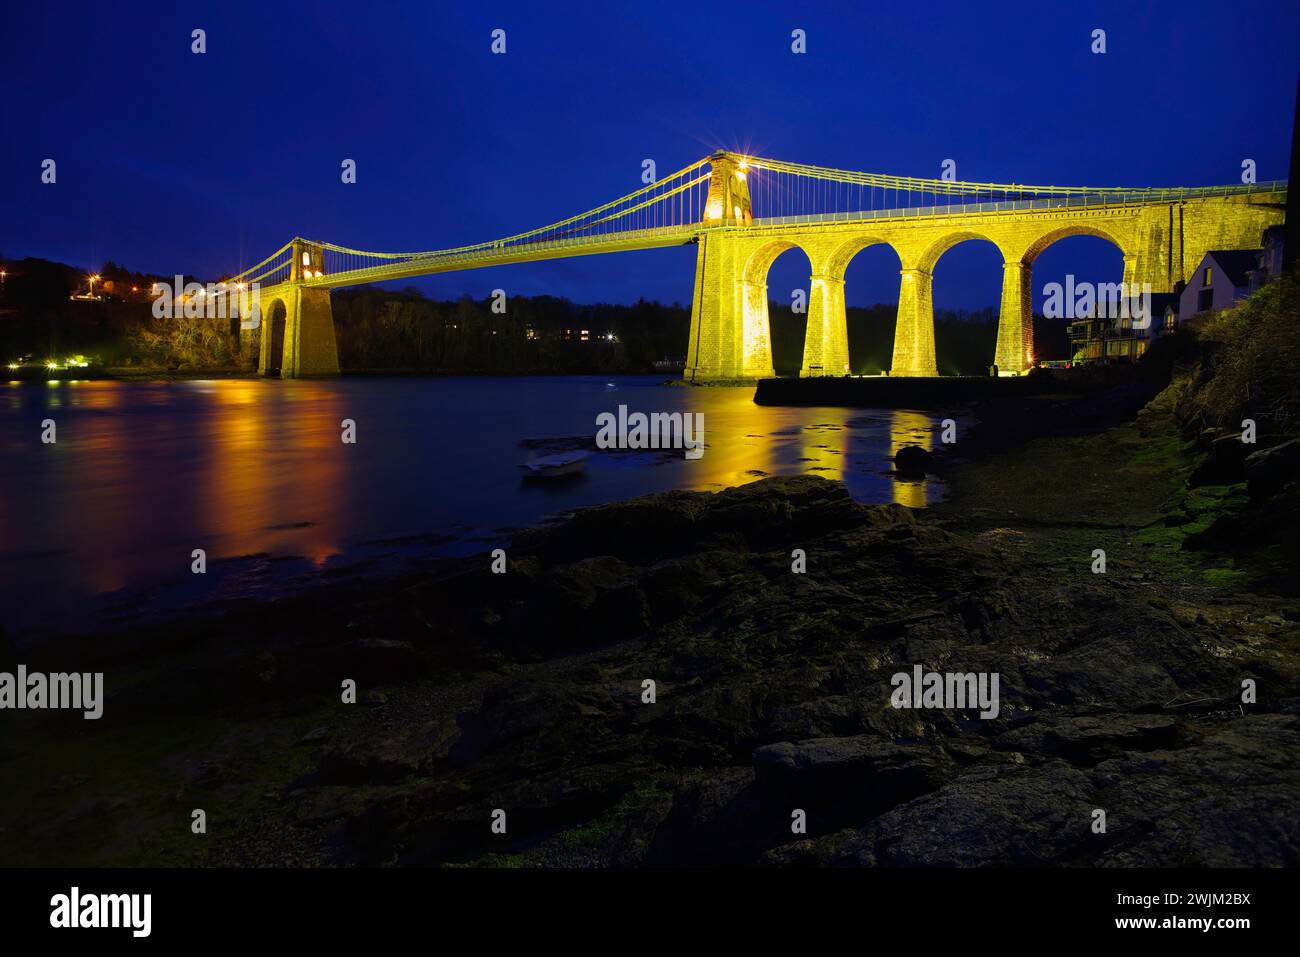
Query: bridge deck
{"x": 682, "y": 234}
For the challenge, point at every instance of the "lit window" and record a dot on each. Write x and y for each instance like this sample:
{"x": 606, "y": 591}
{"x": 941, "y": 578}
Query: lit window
{"x": 1209, "y": 276}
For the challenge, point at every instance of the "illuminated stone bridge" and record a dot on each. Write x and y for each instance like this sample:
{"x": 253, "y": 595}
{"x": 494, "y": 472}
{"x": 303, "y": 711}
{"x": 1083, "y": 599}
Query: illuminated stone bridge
{"x": 742, "y": 212}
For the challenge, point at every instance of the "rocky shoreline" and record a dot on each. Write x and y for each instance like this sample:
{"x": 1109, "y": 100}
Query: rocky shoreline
{"x": 525, "y": 692}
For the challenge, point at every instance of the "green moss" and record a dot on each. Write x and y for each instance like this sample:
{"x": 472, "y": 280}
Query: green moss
{"x": 1164, "y": 452}
{"x": 1161, "y": 535}
{"x": 597, "y": 832}
{"x": 592, "y": 836}
{"x": 142, "y": 768}
{"x": 1225, "y": 577}
{"x": 504, "y": 861}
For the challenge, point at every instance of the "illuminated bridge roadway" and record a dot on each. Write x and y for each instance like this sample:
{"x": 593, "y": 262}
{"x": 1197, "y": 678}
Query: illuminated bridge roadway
{"x": 742, "y": 212}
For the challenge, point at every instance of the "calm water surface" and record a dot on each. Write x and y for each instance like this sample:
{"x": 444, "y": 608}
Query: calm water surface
{"x": 99, "y": 527}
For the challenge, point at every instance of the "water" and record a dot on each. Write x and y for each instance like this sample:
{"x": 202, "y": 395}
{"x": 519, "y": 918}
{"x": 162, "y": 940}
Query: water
{"x": 100, "y": 526}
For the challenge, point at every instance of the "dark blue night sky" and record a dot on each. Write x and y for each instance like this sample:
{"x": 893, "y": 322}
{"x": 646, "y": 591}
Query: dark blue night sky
{"x": 169, "y": 161}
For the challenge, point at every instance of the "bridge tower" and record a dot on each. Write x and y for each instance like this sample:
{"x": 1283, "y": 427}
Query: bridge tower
{"x": 730, "y": 335}
{"x": 297, "y": 322}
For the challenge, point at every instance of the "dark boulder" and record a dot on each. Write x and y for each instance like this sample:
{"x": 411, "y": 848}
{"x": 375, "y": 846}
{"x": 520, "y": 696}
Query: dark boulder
{"x": 717, "y": 821}
{"x": 1224, "y": 464}
{"x": 1268, "y": 470}
{"x": 841, "y": 781}
{"x": 912, "y": 460}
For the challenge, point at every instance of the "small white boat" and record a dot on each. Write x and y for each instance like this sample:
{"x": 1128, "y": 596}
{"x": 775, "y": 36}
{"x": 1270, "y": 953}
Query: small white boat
{"x": 557, "y": 465}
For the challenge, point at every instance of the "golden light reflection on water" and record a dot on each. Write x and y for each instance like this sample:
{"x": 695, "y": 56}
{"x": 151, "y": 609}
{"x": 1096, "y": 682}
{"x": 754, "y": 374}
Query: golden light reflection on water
{"x": 144, "y": 472}
{"x": 98, "y": 394}
{"x": 911, "y": 428}
{"x": 824, "y": 449}
{"x": 275, "y": 468}
{"x": 120, "y": 454}
{"x": 746, "y": 442}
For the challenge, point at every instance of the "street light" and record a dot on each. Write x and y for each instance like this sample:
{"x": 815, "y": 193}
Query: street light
{"x": 93, "y": 279}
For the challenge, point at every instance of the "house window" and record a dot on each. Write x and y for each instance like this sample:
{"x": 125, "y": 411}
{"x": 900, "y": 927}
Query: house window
{"x": 1205, "y": 300}
{"x": 1209, "y": 277}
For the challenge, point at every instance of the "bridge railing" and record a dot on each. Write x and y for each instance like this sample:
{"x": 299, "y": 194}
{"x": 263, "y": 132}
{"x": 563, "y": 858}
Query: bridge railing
{"x": 1001, "y": 206}
{"x": 783, "y": 189}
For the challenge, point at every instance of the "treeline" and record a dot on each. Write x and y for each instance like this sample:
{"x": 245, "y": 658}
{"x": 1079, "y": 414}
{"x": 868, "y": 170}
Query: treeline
{"x": 384, "y": 330}
{"x": 964, "y": 341}
{"x": 379, "y": 329}
{"x": 38, "y": 319}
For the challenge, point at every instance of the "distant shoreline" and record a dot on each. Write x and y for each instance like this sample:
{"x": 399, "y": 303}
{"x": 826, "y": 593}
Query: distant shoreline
{"x": 134, "y": 374}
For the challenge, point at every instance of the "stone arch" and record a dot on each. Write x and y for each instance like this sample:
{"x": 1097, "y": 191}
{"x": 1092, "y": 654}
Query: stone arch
{"x": 275, "y": 321}
{"x": 837, "y": 262}
{"x": 756, "y": 359}
{"x": 971, "y": 348}
{"x": 930, "y": 257}
{"x": 864, "y": 343}
{"x": 760, "y": 260}
{"x": 1037, "y": 247}
{"x": 1107, "y": 291}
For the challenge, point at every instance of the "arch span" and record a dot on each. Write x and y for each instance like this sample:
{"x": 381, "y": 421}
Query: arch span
{"x": 968, "y": 274}
{"x": 871, "y": 275}
{"x": 1039, "y": 245}
{"x": 930, "y": 257}
{"x": 836, "y": 264}
{"x": 756, "y": 359}
{"x": 274, "y": 320}
{"x": 759, "y": 262}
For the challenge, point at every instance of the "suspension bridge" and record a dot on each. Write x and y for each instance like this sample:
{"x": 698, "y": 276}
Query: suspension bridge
{"x": 744, "y": 211}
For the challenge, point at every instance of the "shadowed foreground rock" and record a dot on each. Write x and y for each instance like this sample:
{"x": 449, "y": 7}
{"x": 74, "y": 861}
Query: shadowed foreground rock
{"x": 772, "y": 693}
{"x": 527, "y": 692}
